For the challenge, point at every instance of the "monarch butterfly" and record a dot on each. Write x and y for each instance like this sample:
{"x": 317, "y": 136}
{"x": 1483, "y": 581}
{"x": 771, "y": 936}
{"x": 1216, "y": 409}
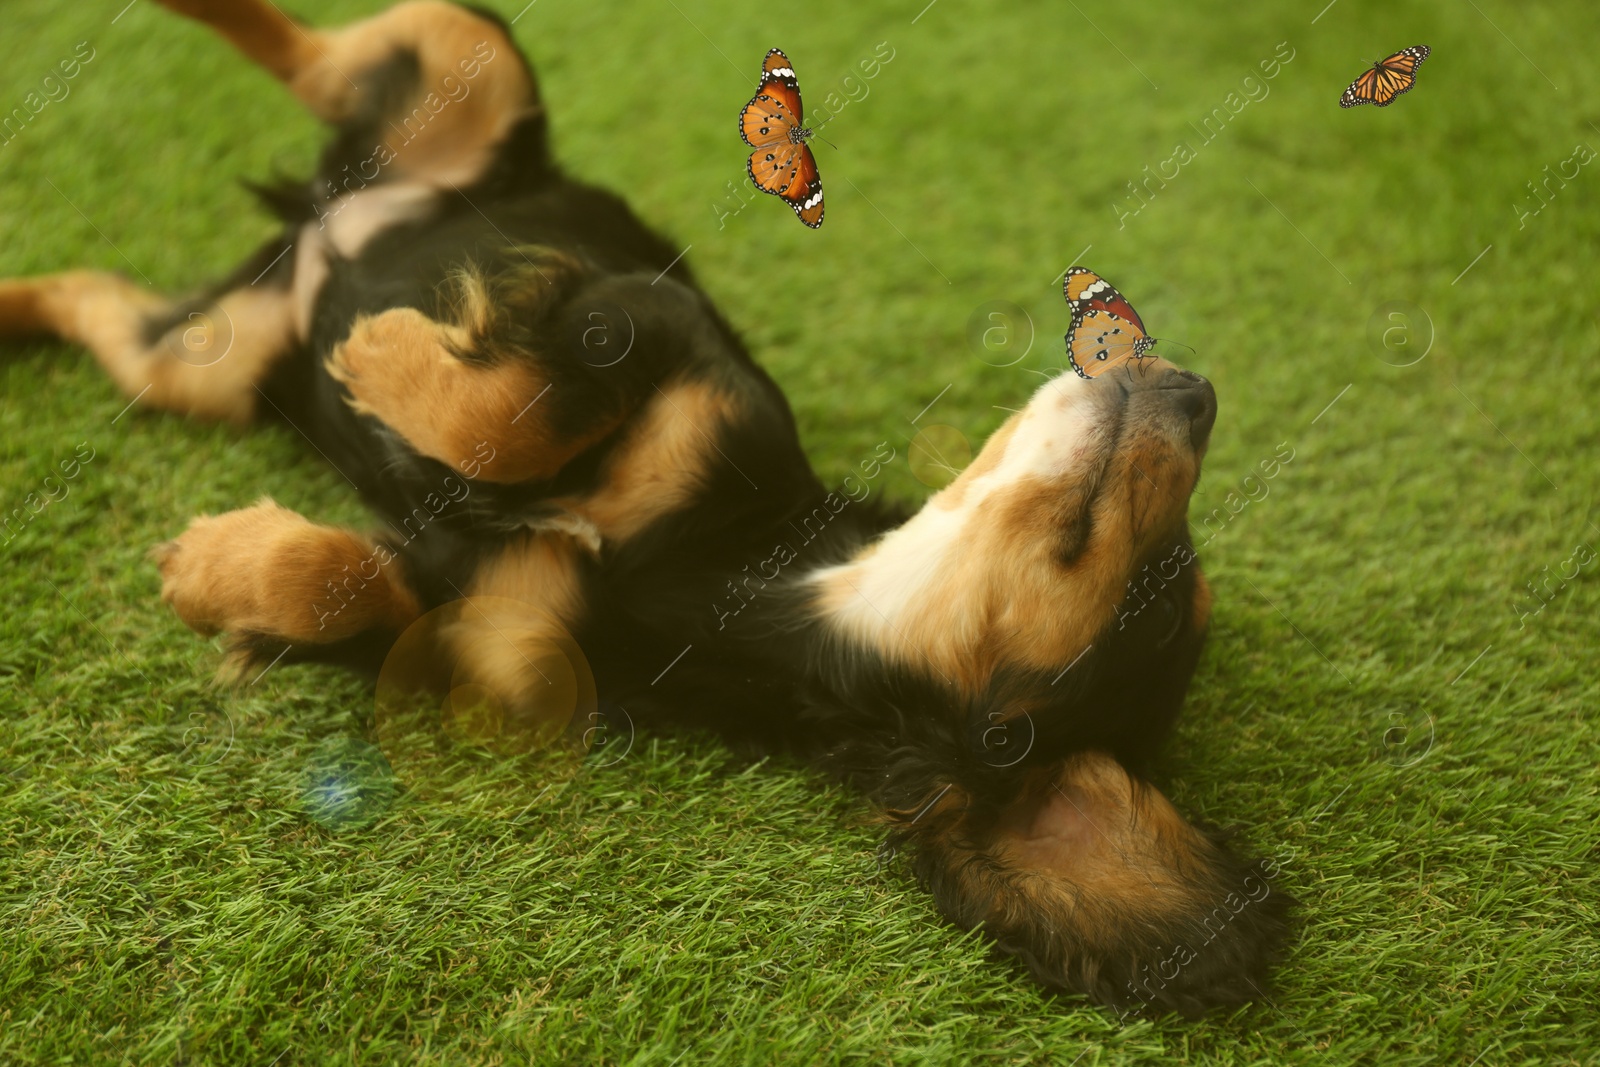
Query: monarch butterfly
{"x": 782, "y": 163}
{"x": 1387, "y": 79}
{"x": 1105, "y": 332}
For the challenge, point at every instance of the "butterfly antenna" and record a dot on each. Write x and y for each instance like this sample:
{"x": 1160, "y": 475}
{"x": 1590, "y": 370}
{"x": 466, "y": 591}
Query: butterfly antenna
{"x": 825, "y": 141}
{"x": 1170, "y": 341}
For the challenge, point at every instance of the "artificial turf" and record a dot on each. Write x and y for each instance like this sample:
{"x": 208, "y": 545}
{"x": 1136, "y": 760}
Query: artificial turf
{"x": 1380, "y": 705}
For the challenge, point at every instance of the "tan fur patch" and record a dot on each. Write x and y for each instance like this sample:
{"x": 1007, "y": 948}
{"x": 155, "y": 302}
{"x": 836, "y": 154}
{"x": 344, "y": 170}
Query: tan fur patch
{"x": 207, "y": 366}
{"x": 999, "y": 598}
{"x": 400, "y": 368}
{"x": 661, "y": 463}
{"x": 22, "y": 309}
{"x": 1202, "y": 600}
{"x": 991, "y": 573}
{"x": 538, "y": 570}
{"x": 942, "y": 801}
{"x": 989, "y": 457}
{"x": 1155, "y": 480}
{"x": 266, "y": 570}
{"x": 1093, "y": 833}
{"x": 472, "y": 85}
{"x": 257, "y": 28}
{"x": 511, "y": 637}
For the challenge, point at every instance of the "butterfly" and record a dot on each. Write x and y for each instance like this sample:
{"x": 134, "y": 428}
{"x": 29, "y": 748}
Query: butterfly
{"x": 782, "y": 163}
{"x": 1105, "y": 331}
{"x": 1387, "y": 79}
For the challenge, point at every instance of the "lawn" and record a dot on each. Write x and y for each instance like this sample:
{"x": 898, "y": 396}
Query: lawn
{"x": 1386, "y": 703}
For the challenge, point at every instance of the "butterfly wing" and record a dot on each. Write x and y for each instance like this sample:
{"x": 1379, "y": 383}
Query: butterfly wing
{"x": 1361, "y": 91}
{"x": 809, "y": 205}
{"x": 1398, "y": 73}
{"x": 1389, "y": 86}
{"x": 780, "y": 164}
{"x": 1099, "y": 341}
{"x": 766, "y": 120}
{"x": 1087, "y": 291}
{"x": 1406, "y": 61}
{"x": 1387, "y": 79}
{"x": 778, "y": 80}
{"x": 789, "y": 170}
{"x": 1105, "y": 331}
{"x": 776, "y": 107}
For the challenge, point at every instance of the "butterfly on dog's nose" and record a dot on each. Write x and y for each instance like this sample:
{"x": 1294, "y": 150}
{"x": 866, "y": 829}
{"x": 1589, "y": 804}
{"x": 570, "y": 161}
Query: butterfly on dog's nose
{"x": 1105, "y": 332}
{"x": 782, "y": 163}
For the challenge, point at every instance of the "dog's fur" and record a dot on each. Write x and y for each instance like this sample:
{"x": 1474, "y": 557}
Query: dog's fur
{"x": 528, "y": 386}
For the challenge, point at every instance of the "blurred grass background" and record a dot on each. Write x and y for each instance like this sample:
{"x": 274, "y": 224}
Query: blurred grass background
{"x": 1372, "y": 705}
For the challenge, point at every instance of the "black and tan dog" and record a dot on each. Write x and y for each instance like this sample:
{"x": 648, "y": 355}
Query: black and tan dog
{"x": 528, "y": 386}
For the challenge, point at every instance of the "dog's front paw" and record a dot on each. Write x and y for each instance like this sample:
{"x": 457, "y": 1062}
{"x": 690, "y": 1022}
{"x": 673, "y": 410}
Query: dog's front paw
{"x": 212, "y": 573}
{"x": 267, "y": 578}
{"x": 396, "y": 369}
{"x": 401, "y": 368}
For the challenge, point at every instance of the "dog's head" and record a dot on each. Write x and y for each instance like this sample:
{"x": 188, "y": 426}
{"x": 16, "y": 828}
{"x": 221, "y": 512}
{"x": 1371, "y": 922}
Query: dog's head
{"x": 1063, "y": 548}
{"x": 1045, "y": 613}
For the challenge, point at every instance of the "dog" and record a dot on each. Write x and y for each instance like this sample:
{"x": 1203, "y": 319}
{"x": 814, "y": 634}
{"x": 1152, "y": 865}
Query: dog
{"x": 579, "y": 463}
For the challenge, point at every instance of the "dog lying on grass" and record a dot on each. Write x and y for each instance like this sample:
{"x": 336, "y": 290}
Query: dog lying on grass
{"x": 575, "y": 454}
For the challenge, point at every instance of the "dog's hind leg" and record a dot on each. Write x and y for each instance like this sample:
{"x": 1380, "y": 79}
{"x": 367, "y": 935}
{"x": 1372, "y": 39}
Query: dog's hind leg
{"x": 435, "y": 85}
{"x": 199, "y": 359}
{"x": 510, "y": 644}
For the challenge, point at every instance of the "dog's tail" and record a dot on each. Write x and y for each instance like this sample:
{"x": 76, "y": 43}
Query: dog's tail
{"x": 1091, "y": 878}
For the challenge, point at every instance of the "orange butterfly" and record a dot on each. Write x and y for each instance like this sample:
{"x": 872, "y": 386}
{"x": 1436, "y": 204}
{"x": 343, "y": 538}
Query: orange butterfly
{"x": 1387, "y": 79}
{"x": 1105, "y": 331}
{"x": 782, "y": 163}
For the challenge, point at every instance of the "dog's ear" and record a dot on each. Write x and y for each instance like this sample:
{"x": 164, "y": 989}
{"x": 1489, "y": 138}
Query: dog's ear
{"x": 1093, "y": 880}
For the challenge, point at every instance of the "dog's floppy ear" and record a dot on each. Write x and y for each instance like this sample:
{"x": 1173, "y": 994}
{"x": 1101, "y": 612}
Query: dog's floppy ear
{"x": 1092, "y": 878}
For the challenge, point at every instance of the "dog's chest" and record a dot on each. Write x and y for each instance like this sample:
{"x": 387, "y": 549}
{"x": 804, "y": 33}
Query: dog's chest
{"x": 344, "y": 227}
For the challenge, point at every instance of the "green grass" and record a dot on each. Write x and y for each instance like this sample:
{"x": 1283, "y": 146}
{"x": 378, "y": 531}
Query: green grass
{"x": 1369, "y": 705}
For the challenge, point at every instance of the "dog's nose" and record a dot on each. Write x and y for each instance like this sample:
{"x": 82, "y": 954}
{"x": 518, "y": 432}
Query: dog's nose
{"x": 1195, "y": 399}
